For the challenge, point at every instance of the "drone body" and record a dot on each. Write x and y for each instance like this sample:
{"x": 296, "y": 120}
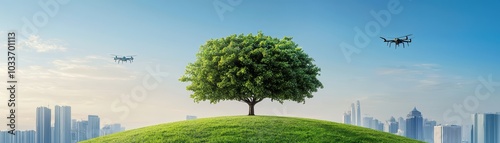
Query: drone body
{"x": 399, "y": 40}
{"x": 123, "y": 58}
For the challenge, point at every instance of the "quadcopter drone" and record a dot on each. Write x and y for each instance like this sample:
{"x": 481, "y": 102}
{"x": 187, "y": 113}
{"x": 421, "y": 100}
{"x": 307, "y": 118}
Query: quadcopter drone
{"x": 124, "y": 58}
{"x": 398, "y": 40}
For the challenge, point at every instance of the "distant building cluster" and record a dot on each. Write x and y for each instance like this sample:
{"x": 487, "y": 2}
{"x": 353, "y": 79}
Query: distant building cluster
{"x": 353, "y": 117}
{"x": 111, "y": 129}
{"x": 20, "y": 137}
{"x": 414, "y": 126}
{"x": 62, "y": 130}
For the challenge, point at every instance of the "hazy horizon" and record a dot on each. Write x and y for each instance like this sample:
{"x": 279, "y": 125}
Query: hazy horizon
{"x": 68, "y": 62}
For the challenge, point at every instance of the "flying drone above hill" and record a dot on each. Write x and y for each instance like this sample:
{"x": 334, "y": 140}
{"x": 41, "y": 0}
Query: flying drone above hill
{"x": 399, "y": 40}
{"x": 123, "y": 58}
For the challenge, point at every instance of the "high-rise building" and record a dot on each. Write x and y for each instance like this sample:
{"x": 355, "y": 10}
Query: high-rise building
{"x": 375, "y": 123}
{"x": 62, "y": 124}
{"x": 402, "y": 126}
{"x": 81, "y": 130}
{"x": 346, "y": 118}
{"x": 414, "y": 125}
{"x": 485, "y": 128}
{"x": 367, "y": 122}
{"x": 93, "y": 126}
{"x": 353, "y": 115}
{"x": 43, "y": 131}
{"x": 429, "y": 130}
{"x": 466, "y": 130}
{"x": 52, "y": 130}
{"x": 358, "y": 114}
{"x": 380, "y": 126}
{"x": 74, "y": 131}
{"x": 447, "y": 134}
{"x": 392, "y": 126}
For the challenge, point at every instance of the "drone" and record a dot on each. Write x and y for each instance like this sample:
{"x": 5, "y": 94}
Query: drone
{"x": 398, "y": 40}
{"x": 123, "y": 58}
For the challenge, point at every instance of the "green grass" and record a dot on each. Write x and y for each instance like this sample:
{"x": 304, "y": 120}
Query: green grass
{"x": 253, "y": 129}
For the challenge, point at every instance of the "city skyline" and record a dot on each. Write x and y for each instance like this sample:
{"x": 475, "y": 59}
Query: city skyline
{"x": 449, "y": 70}
{"x": 64, "y": 129}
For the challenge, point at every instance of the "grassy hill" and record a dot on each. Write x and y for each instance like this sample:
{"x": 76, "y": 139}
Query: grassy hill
{"x": 253, "y": 129}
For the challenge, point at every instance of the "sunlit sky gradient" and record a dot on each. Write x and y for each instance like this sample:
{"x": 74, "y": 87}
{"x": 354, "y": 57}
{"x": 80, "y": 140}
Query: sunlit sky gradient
{"x": 68, "y": 62}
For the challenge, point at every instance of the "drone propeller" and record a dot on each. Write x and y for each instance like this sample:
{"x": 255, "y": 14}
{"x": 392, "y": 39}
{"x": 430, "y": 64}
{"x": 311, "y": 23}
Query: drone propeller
{"x": 405, "y": 36}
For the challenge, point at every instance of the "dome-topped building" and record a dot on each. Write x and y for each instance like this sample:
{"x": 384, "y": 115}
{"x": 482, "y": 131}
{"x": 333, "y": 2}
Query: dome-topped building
{"x": 392, "y": 126}
{"x": 415, "y": 113}
{"x": 415, "y": 125}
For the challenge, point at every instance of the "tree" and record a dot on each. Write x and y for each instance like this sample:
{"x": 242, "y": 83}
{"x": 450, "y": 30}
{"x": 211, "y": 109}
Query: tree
{"x": 251, "y": 68}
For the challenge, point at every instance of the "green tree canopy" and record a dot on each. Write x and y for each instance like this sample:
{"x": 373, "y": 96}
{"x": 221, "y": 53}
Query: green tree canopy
{"x": 250, "y": 68}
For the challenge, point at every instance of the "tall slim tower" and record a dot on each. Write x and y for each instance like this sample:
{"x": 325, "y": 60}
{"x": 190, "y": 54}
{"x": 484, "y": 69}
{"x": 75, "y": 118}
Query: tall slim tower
{"x": 93, "y": 126}
{"x": 358, "y": 114}
{"x": 353, "y": 115}
{"x": 43, "y": 125}
{"x": 62, "y": 126}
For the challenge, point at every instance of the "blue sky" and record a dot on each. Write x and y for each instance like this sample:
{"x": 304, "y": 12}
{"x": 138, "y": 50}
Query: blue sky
{"x": 68, "y": 62}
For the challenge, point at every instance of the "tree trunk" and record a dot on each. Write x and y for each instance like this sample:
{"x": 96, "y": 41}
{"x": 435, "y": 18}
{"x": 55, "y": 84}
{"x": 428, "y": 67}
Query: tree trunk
{"x": 251, "y": 109}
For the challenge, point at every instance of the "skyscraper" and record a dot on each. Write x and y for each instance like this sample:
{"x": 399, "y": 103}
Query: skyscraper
{"x": 353, "y": 115}
{"x": 74, "y": 131}
{"x": 485, "y": 128}
{"x": 367, "y": 122}
{"x": 93, "y": 126}
{"x": 380, "y": 126}
{"x": 52, "y": 133}
{"x": 81, "y": 130}
{"x": 43, "y": 125}
{"x": 358, "y": 114}
{"x": 392, "y": 126}
{"x": 447, "y": 134}
{"x": 414, "y": 125}
{"x": 429, "y": 130}
{"x": 375, "y": 124}
{"x": 346, "y": 118}
{"x": 402, "y": 126}
{"x": 62, "y": 126}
